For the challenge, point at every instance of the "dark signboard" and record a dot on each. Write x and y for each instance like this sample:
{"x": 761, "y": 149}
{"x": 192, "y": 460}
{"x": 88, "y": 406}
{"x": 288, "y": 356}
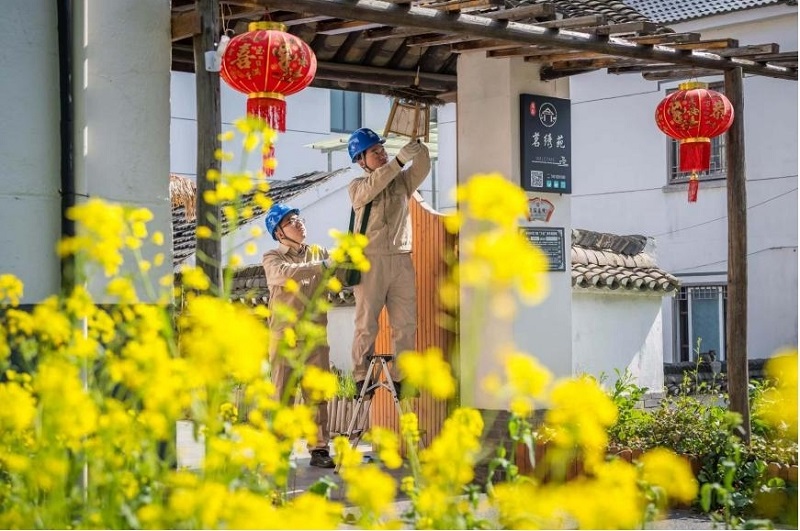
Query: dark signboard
{"x": 551, "y": 242}
{"x": 546, "y": 144}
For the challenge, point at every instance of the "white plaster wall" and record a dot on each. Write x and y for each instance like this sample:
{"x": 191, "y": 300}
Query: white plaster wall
{"x": 121, "y": 75}
{"x": 620, "y": 176}
{"x": 340, "y": 336}
{"x": 446, "y": 175}
{"x": 307, "y": 121}
{"x": 488, "y": 138}
{"x": 613, "y": 331}
{"x": 122, "y": 62}
{"x": 29, "y": 151}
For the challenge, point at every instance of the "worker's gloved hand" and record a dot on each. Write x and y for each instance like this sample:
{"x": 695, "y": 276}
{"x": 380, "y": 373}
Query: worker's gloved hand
{"x": 327, "y": 263}
{"x": 408, "y": 152}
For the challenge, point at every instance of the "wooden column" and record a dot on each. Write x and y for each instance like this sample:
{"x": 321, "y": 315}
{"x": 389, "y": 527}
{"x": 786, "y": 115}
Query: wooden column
{"x": 209, "y": 126}
{"x": 736, "y": 324}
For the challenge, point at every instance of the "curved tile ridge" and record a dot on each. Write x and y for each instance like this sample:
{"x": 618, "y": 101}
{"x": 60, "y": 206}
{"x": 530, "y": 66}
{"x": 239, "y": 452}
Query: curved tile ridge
{"x": 612, "y": 262}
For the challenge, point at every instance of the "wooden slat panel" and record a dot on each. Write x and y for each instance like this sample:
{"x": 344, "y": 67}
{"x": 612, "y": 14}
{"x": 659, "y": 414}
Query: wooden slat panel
{"x": 431, "y": 244}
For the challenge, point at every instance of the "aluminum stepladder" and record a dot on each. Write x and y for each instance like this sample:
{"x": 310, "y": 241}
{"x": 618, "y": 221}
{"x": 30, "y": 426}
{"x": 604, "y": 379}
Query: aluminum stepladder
{"x": 371, "y": 384}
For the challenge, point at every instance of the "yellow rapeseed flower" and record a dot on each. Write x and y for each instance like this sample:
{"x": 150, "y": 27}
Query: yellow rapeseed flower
{"x": 203, "y": 232}
{"x": 428, "y": 370}
{"x": 195, "y": 278}
{"x": 662, "y": 468}
{"x": 318, "y": 385}
{"x": 11, "y": 289}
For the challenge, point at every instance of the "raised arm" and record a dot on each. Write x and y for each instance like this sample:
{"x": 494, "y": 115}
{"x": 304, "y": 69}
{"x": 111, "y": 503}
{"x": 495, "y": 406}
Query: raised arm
{"x": 415, "y": 175}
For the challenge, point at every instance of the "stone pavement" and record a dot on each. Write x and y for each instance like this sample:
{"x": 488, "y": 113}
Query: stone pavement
{"x": 190, "y": 454}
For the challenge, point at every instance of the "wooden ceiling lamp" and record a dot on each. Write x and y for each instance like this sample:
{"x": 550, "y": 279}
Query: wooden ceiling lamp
{"x": 411, "y": 112}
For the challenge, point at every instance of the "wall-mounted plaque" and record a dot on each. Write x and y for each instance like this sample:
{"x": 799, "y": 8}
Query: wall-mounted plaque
{"x": 546, "y": 144}
{"x": 551, "y": 242}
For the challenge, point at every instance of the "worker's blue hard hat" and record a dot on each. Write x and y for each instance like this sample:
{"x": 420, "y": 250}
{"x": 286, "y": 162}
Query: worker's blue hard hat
{"x": 275, "y": 215}
{"x": 361, "y": 140}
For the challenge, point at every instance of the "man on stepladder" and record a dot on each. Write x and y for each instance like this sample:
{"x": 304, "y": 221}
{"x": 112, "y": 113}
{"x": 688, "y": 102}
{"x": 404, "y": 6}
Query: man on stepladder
{"x": 390, "y": 282}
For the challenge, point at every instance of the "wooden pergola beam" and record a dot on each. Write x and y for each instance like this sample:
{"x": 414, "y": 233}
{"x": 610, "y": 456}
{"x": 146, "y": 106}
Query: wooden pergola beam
{"x": 437, "y": 40}
{"x": 344, "y": 26}
{"x": 515, "y": 13}
{"x": 386, "y": 77}
{"x": 438, "y": 21}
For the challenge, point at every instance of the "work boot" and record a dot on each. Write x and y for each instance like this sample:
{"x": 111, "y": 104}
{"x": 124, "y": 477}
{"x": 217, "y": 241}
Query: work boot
{"x": 320, "y": 458}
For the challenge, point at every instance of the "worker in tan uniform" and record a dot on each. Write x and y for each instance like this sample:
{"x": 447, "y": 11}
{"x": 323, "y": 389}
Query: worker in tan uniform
{"x": 387, "y": 185}
{"x": 306, "y": 265}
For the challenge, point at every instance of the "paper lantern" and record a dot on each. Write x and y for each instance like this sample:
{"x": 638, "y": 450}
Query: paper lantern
{"x": 693, "y": 115}
{"x": 268, "y": 64}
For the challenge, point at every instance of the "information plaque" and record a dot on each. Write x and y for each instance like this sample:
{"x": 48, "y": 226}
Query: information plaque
{"x": 545, "y": 144}
{"x": 551, "y": 242}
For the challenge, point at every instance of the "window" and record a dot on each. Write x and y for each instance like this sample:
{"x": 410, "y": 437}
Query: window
{"x": 345, "y": 111}
{"x": 716, "y": 168}
{"x": 700, "y": 314}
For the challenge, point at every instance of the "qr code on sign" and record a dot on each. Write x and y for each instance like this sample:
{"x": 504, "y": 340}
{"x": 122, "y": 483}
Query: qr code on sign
{"x": 537, "y": 179}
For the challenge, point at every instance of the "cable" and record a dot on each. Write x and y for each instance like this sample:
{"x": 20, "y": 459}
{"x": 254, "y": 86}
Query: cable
{"x": 725, "y": 216}
{"x": 748, "y": 254}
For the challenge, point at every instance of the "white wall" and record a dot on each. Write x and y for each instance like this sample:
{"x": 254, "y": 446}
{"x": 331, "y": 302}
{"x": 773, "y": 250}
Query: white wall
{"x": 122, "y": 112}
{"x": 620, "y": 180}
{"x": 488, "y": 141}
{"x": 618, "y": 331}
{"x": 307, "y": 121}
{"x": 29, "y": 151}
{"x": 340, "y": 336}
{"x": 121, "y": 124}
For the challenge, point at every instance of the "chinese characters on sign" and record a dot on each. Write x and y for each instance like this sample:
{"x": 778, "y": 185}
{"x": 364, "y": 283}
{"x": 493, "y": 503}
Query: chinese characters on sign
{"x": 546, "y": 144}
{"x": 551, "y": 242}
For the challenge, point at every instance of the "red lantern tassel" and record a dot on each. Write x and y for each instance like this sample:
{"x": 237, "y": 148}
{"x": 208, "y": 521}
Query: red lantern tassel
{"x": 694, "y": 186}
{"x": 268, "y": 161}
{"x": 270, "y": 106}
{"x": 695, "y": 154}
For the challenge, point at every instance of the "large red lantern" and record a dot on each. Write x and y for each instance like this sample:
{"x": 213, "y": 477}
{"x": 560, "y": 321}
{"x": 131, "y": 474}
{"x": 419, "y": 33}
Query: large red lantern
{"x": 693, "y": 115}
{"x": 268, "y": 64}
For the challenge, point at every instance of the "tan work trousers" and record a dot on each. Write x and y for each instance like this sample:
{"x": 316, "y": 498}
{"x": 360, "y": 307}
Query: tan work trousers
{"x": 389, "y": 282}
{"x": 281, "y": 373}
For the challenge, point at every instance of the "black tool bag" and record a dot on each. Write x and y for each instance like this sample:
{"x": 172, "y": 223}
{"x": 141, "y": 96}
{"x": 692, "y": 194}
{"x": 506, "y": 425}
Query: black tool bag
{"x": 353, "y": 276}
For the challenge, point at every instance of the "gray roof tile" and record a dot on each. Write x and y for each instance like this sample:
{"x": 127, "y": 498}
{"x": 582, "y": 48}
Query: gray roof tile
{"x": 183, "y": 227}
{"x": 667, "y": 11}
{"x": 607, "y": 261}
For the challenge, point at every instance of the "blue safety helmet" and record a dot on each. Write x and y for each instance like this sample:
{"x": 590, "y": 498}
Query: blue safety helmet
{"x": 275, "y": 215}
{"x": 361, "y": 140}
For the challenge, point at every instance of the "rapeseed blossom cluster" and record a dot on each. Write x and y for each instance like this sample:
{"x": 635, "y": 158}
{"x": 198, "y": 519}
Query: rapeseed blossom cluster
{"x": 97, "y": 391}
{"x": 778, "y": 405}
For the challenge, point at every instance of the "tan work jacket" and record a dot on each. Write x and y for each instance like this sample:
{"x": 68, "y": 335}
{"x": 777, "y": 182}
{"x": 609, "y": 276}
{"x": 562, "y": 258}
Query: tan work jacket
{"x": 304, "y": 267}
{"x": 389, "y": 188}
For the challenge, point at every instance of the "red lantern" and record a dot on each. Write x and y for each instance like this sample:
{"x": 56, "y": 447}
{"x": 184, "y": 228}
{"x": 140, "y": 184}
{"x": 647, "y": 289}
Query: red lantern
{"x": 268, "y": 64}
{"x": 693, "y": 115}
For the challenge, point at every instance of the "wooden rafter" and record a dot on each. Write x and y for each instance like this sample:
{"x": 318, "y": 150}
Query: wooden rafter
{"x": 538, "y": 11}
{"x": 561, "y": 23}
{"x": 521, "y": 34}
{"x": 339, "y": 27}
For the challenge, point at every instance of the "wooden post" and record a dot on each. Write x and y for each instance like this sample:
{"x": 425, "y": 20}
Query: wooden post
{"x": 209, "y": 126}
{"x": 736, "y": 323}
